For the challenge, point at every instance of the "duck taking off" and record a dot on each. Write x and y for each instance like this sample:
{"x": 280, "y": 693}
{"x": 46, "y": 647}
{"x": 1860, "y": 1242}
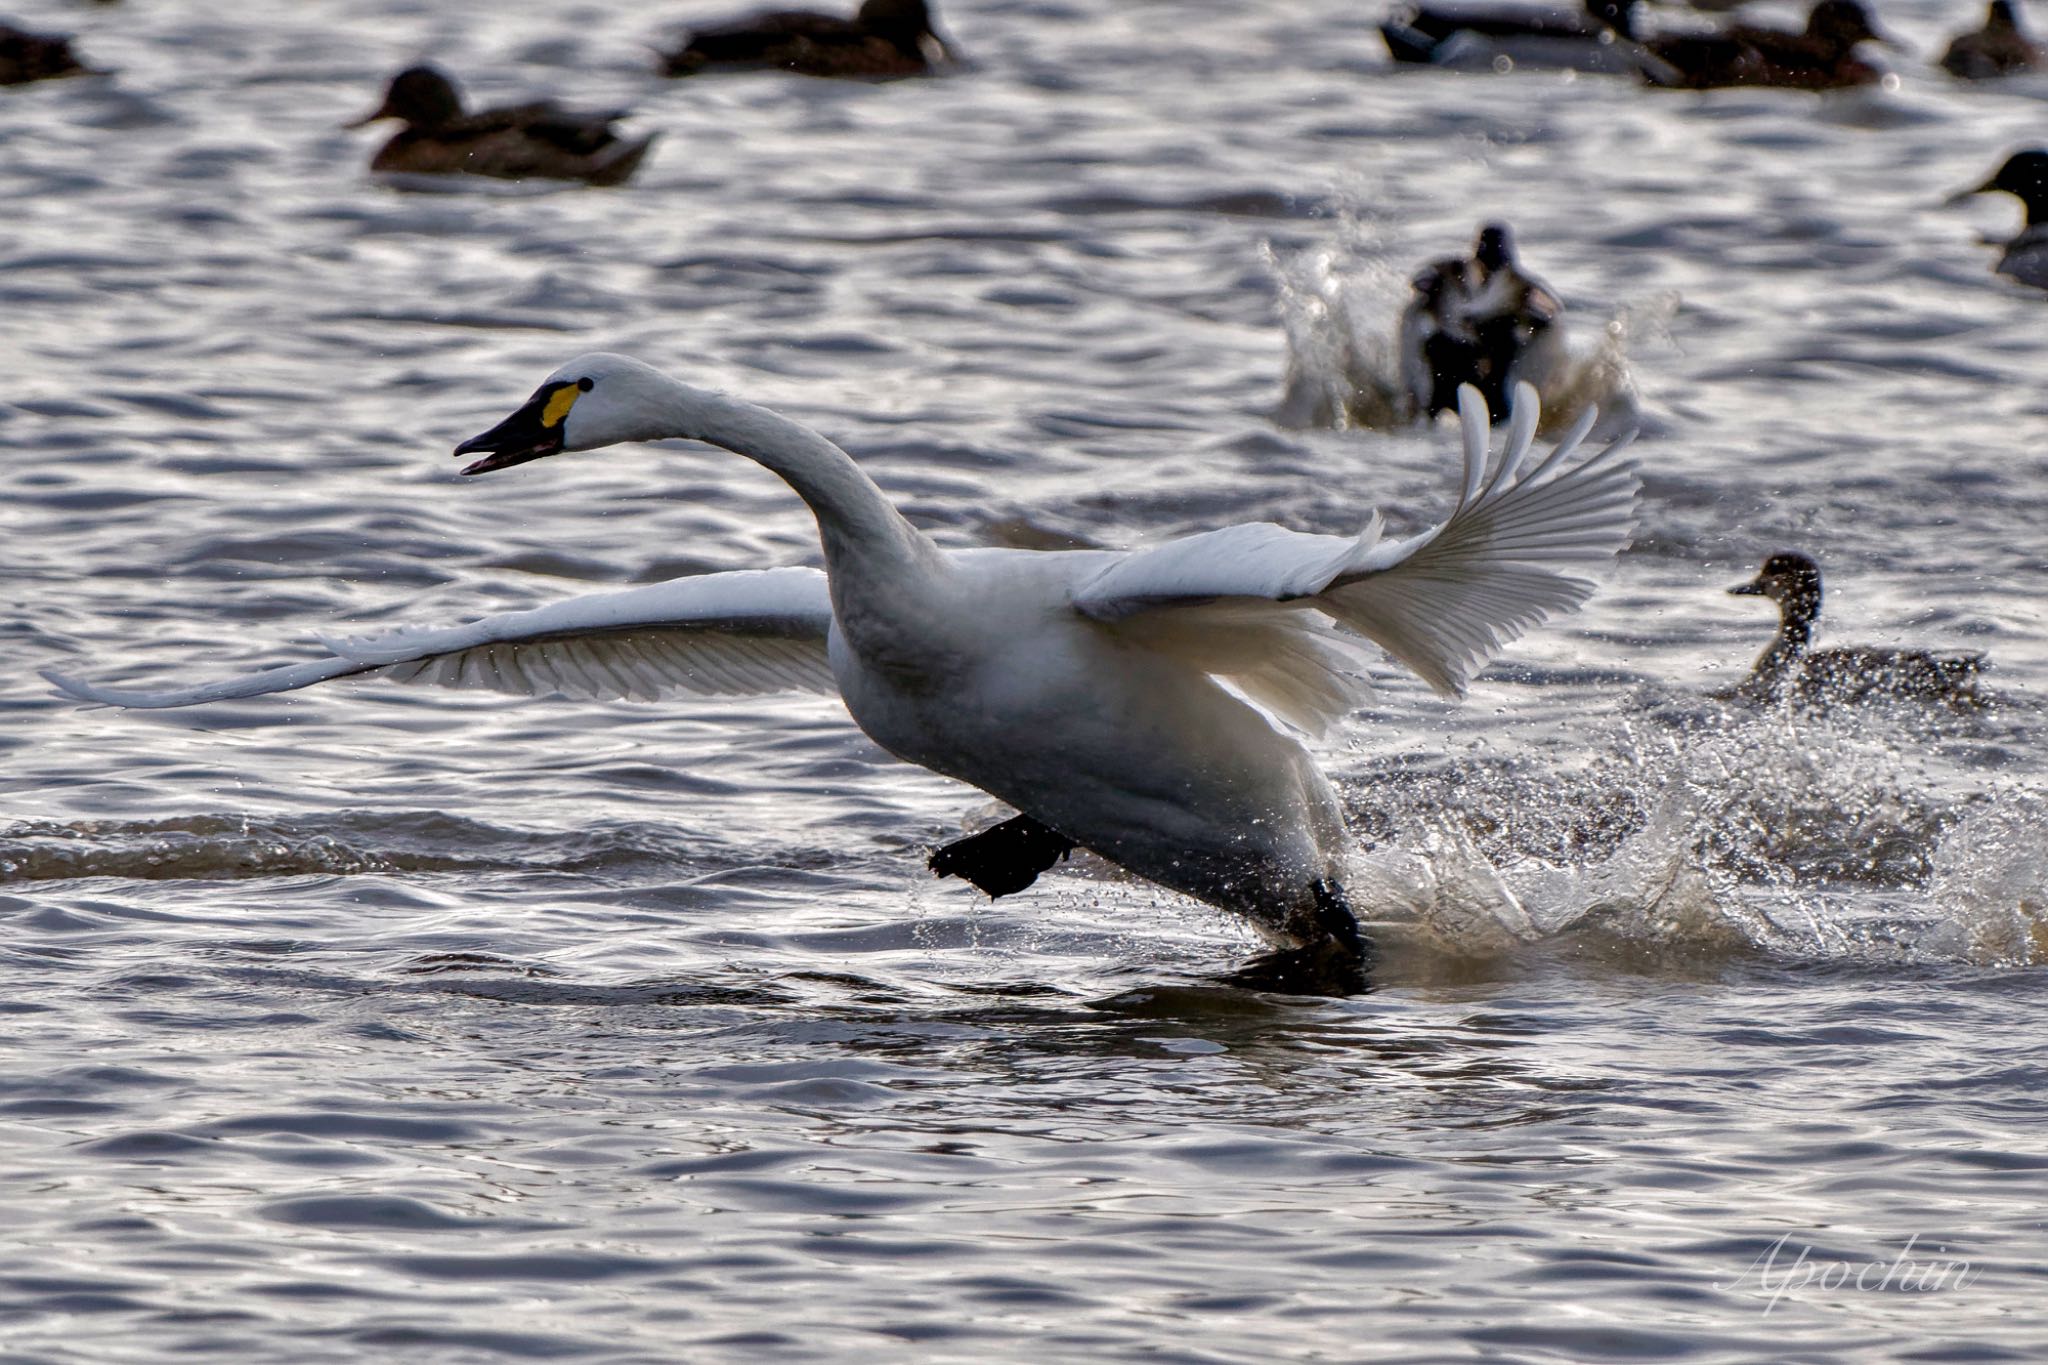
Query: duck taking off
{"x": 1486, "y": 322}
{"x": 1791, "y": 668}
{"x": 1148, "y": 705}
{"x": 540, "y": 140}
{"x": 884, "y": 38}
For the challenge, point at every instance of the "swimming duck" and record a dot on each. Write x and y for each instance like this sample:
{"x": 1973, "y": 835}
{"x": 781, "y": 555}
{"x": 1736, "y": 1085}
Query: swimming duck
{"x": 1842, "y": 676}
{"x": 2025, "y": 175}
{"x": 1146, "y": 704}
{"x": 884, "y": 38}
{"x": 26, "y": 57}
{"x": 1484, "y": 322}
{"x": 1548, "y": 37}
{"x": 1820, "y": 58}
{"x": 540, "y": 141}
{"x": 2000, "y": 48}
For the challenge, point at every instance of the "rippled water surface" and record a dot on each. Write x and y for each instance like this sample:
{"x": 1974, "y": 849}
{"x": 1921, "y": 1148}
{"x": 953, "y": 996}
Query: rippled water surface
{"x": 370, "y": 1023}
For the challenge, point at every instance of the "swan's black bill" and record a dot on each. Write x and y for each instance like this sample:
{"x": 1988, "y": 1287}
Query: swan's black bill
{"x": 527, "y": 434}
{"x": 1753, "y": 588}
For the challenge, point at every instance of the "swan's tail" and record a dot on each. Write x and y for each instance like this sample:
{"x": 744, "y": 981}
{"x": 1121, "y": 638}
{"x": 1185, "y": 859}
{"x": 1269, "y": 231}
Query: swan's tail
{"x": 1446, "y": 601}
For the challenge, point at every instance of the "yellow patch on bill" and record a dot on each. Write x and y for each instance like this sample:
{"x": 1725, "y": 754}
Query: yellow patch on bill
{"x": 558, "y": 405}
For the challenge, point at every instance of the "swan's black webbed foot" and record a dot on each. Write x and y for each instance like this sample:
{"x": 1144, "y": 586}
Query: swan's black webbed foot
{"x": 1337, "y": 963}
{"x": 1004, "y": 858}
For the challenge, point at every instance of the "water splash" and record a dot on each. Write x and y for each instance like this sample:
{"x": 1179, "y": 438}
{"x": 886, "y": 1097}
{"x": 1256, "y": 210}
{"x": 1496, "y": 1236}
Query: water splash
{"x": 1341, "y": 304}
{"x": 1864, "y": 836}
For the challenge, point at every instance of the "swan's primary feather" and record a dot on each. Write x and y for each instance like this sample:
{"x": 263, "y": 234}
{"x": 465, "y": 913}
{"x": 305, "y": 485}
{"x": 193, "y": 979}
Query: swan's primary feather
{"x": 1443, "y": 602}
{"x": 717, "y": 634}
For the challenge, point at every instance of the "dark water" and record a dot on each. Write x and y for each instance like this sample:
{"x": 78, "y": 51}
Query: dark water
{"x": 379, "y": 1024}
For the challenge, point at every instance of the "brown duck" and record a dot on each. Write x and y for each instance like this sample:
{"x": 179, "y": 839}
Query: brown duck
{"x": 540, "y": 141}
{"x": 885, "y": 38}
{"x": 26, "y": 57}
{"x": 1823, "y": 57}
{"x": 1843, "y": 676}
{"x": 2000, "y": 48}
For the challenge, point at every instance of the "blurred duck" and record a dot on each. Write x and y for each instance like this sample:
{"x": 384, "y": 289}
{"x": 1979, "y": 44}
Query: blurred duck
{"x": 1790, "y": 667}
{"x": 2000, "y": 48}
{"x": 2025, "y": 175}
{"x": 26, "y": 57}
{"x": 1484, "y": 322}
{"x": 1439, "y": 350}
{"x": 1546, "y": 37}
{"x": 540, "y": 141}
{"x": 884, "y": 38}
{"x": 1821, "y": 58}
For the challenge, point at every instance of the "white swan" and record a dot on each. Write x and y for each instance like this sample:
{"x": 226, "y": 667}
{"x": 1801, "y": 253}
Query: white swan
{"x": 1119, "y": 699}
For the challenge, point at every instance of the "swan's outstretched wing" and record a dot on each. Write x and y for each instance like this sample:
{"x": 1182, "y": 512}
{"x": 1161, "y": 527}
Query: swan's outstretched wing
{"x": 1443, "y": 602}
{"x": 718, "y": 634}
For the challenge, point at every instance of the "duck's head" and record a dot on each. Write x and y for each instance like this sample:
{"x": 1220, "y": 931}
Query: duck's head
{"x": 2024, "y": 174}
{"x": 2002, "y": 17}
{"x": 422, "y": 96}
{"x": 1495, "y": 248}
{"x": 1785, "y": 578}
{"x": 1844, "y": 23}
{"x": 595, "y": 400}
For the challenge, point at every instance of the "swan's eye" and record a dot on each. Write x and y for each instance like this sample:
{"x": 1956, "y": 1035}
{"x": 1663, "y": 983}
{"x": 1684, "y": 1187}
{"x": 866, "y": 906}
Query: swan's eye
{"x": 586, "y": 383}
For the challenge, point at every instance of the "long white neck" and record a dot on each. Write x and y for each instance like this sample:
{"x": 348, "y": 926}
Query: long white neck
{"x": 886, "y": 575}
{"x": 857, "y": 524}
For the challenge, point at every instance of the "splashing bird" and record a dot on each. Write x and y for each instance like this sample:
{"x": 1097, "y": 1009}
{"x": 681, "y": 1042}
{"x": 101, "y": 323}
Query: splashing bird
{"x": 1485, "y": 321}
{"x": 1148, "y": 705}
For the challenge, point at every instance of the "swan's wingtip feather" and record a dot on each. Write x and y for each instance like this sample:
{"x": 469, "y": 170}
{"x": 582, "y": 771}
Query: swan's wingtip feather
{"x": 1472, "y": 406}
{"x": 74, "y": 688}
{"x": 1475, "y": 424}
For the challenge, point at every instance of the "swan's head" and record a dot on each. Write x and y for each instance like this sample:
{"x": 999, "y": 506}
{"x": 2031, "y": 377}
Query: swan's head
{"x": 594, "y": 400}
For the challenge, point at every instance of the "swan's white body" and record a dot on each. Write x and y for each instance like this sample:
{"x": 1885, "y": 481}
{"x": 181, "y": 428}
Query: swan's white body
{"x": 1125, "y": 699}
